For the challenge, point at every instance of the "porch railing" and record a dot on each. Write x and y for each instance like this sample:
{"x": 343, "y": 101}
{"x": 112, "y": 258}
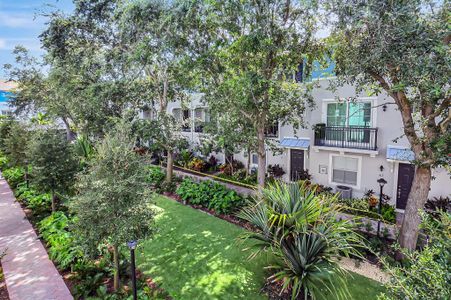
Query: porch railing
{"x": 363, "y": 138}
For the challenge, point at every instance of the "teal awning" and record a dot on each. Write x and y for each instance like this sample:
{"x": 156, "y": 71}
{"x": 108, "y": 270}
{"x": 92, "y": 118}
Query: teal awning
{"x": 301, "y": 143}
{"x": 401, "y": 154}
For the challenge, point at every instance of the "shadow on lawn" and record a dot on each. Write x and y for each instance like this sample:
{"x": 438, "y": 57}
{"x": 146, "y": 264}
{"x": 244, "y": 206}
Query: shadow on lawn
{"x": 196, "y": 256}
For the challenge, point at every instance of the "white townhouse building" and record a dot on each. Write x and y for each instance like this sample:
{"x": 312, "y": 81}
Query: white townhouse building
{"x": 5, "y": 92}
{"x": 347, "y": 143}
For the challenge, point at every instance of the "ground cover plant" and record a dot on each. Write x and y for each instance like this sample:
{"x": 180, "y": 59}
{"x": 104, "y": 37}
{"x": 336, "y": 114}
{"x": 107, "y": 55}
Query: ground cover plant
{"x": 211, "y": 195}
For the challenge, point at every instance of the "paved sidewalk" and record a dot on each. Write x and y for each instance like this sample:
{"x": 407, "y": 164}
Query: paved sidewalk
{"x": 28, "y": 271}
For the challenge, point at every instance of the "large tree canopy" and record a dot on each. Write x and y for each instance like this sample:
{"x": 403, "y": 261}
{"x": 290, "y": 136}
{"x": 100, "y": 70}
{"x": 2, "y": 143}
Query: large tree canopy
{"x": 247, "y": 54}
{"x": 402, "y": 48}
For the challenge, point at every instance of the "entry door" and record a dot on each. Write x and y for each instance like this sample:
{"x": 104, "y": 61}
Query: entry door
{"x": 405, "y": 178}
{"x": 297, "y": 164}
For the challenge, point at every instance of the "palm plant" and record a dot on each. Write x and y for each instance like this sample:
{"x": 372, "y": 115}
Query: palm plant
{"x": 303, "y": 231}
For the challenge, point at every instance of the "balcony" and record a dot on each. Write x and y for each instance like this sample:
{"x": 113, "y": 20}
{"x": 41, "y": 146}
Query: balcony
{"x": 362, "y": 138}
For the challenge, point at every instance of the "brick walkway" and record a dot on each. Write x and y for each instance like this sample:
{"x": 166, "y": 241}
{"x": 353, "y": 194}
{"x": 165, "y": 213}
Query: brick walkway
{"x": 28, "y": 271}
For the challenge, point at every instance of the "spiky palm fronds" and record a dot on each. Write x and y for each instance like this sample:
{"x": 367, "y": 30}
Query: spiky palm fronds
{"x": 306, "y": 236}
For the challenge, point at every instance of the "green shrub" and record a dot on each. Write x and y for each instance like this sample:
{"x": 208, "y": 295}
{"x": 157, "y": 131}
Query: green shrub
{"x": 39, "y": 203}
{"x": 60, "y": 241}
{"x": 3, "y": 161}
{"x": 360, "y": 207}
{"x": 197, "y": 164}
{"x": 155, "y": 176}
{"x": 14, "y": 176}
{"x": 425, "y": 273}
{"x": 210, "y": 194}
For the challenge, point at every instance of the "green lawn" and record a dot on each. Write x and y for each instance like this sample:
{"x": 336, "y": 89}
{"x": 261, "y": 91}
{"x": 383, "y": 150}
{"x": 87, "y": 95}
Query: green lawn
{"x": 197, "y": 256}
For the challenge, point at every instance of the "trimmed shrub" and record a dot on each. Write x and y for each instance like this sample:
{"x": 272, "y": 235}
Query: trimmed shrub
{"x": 211, "y": 195}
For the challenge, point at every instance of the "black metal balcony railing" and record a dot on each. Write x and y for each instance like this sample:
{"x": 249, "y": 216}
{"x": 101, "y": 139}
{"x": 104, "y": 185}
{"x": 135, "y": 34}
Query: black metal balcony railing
{"x": 363, "y": 138}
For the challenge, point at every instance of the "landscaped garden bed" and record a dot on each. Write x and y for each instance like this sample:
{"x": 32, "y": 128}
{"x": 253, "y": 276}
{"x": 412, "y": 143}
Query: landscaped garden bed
{"x": 3, "y": 289}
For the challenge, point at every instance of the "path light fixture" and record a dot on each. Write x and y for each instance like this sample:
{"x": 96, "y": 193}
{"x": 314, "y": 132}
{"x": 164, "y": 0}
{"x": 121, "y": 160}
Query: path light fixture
{"x": 132, "y": 245}
{"x": 381, "y": 182}
{"x": 26, "y": 177}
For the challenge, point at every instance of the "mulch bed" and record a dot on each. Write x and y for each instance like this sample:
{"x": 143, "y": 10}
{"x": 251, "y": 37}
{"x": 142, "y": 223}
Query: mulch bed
{"x": 3, "y": 290}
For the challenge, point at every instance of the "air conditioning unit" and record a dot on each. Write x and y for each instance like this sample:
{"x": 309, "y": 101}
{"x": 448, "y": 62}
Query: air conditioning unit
{"x": 345, "y": 191}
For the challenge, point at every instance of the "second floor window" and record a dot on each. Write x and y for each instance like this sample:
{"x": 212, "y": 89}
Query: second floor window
{"x": 272, "y": 129}
{"x": 183, "y": 117}
{"x": 201, "y": 117}
{"x": 348, "y": 114}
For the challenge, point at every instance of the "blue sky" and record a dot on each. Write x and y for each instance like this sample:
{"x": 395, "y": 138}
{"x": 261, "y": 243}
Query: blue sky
{"x": 21, "y": 24}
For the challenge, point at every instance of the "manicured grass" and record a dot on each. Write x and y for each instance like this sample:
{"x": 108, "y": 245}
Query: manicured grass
{"x": 196, "y": 256}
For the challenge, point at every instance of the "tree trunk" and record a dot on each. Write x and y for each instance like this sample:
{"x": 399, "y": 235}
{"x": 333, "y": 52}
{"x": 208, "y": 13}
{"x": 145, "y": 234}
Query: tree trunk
{"x": 116, "y": 267}
{"x": 70, "y": 135}
{"x": 417, "y": 198}
{"x": 248, "y": 166}
{"x": 53, "y": 202}
{"x": 170, "y": 166}
{"x": 261, "y": 152}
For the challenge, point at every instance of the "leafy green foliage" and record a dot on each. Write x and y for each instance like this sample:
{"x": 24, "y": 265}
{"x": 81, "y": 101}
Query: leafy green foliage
{"x": 15, "y": 144}
{"x": 14, "y": 176}
{"x": 425, "y": 273}
{"x": 361, "y": 207}
{"x": 211, "y": 195}
{"x": 53, "y": 160}
{"x": 3, "y": 161}
{"x": 247, "y": 70}
{"x": 60, "y": 241}
{"x": 113, "y": 188}
{"x": 303, "y": 231}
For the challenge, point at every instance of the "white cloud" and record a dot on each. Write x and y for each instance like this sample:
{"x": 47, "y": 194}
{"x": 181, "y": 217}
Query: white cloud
{"x": 17, "y": 20}
{"x": 32, "y": 44}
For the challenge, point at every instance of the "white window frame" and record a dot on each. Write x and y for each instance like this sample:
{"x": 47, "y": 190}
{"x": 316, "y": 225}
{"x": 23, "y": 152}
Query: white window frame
{"x": 359, "y": 170}
{"x": 371, "y": 100}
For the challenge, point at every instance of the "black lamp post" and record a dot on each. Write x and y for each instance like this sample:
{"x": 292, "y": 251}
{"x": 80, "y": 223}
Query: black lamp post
{"x": 381, "y": 182}
{"x": 27, "y": 180}
{"x": 132, "y": 246}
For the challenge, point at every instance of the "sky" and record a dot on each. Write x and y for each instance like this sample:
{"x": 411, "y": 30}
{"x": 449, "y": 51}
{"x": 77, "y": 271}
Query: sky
{"x": 21, "y": 23}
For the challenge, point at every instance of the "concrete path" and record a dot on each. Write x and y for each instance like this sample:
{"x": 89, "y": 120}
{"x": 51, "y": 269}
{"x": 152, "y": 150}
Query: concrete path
{"x": 28, "y": 271}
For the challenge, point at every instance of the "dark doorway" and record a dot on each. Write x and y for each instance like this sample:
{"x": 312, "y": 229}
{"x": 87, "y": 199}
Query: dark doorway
{"x": 297, "y": 164}
{"x": 405, "y": 178}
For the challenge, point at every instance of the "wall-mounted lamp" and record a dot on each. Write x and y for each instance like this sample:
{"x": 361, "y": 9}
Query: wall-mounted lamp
{"x": 384, "y": 107}
{"x": 381, "y": 167}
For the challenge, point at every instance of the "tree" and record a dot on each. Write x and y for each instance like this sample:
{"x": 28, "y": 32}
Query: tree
{"x": 53, "y": 162}
{"x": 425, "y": 273}
{"x": 402, "y": 48}
{"x": 152, "y": 32}
{"x": 247, "y": 54}
{"x": 113, "y": 202}
{"x": 15, "y": 143}
{"x": 89, "y": 81}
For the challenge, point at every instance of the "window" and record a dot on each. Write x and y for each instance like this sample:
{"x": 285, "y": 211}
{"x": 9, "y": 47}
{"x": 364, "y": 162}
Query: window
{"x": 182, "y": 117}
{"x": 254, "y": 159}
{"x": 272, "y": 130}
{"x": 349, "y": 114}
{"x": 345, "y": 169}
{"x": 201, "y": 117}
